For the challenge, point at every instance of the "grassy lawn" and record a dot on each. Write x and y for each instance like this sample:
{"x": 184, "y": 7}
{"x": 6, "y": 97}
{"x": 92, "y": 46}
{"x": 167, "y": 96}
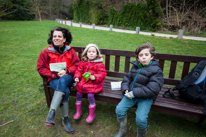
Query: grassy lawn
{"x": 23, "y": 102}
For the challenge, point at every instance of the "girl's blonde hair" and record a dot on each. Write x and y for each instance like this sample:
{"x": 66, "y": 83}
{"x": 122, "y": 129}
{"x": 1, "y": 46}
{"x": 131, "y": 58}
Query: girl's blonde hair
{"x": 84, "y": 54}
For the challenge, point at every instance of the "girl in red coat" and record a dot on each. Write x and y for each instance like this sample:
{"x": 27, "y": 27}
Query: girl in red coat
{"x": 92, "y": 66}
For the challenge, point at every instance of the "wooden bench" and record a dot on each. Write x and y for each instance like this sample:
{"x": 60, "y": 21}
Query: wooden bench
{"x": 117, "y": 66}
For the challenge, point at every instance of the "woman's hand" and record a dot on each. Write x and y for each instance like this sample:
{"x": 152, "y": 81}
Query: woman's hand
{"x": 76, "y": 79}
{"x": 92, "y": 77}
{"x": 61, "y": 73}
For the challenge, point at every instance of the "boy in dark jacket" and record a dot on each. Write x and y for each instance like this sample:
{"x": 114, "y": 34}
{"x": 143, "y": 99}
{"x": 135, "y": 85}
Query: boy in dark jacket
{"x": 143, "y": 83}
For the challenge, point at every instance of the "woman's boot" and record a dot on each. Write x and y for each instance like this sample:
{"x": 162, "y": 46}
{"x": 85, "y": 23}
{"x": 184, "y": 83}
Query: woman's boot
{"x": 65, "y": 118}
{"x": 92, "y": 114}
{"x": 56, "y": 100}
{"x": 122, "y": 127}
{"x": 141, "y": 132}
{"x": 78, "y": 113}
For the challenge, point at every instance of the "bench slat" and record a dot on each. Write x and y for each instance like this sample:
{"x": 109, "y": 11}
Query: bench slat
{"x": 118, "y": 53}
{"x": 175, "y": 112}
{"x": 171, "y": 81}
{"x": 179, "y": 58}
{"x": 107, "y": 60}
{"x": 117, "y": 59}
{"x": 161, "y": 62}
{"x": 185, "y": 69}
{"x": 172, "y": 69}
{"x": 116, "y": 74}
{"x": 79, "y": 54}
{"x": 127, "y": 65}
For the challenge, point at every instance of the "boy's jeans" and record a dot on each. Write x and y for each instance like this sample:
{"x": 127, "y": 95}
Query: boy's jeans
{"x": 143, "y": 109}
{"x": 62, "y": 84}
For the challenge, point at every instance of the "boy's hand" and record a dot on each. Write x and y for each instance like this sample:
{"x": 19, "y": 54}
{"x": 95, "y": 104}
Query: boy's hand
{"x": 92, "y": 77}
{"x": 126, "y": 95}
{"x": 76, "y": 79}
{"x": 129, "y": 97}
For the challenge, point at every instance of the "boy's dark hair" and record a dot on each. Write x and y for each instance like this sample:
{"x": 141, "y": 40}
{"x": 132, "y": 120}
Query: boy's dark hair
{"x": 145, "y": 46}
{"x": 66, "y": 34}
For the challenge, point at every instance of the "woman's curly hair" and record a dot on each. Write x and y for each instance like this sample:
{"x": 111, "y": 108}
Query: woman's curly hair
{"x": 66, "y": 34}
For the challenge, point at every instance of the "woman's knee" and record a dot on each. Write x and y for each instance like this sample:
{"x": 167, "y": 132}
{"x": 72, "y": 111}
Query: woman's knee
{"x": 67, "y": 80}
{"x": 53, "y": 83}
{"x": 67, "y": 92}
{"x": 62, "y": 81}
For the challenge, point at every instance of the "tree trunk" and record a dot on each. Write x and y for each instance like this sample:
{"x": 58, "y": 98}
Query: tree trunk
{"x": 167, "y": 9}
{"x": 39, "y": 14}
{"x": 170, "y": 8}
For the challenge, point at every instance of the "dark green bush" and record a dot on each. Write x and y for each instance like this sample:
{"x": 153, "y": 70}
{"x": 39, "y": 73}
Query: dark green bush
{"x": 88, "y": 11}
{"x": 144, "y": 15}
{"x": 21, "y": 11}
{"x": 81, "y": 11}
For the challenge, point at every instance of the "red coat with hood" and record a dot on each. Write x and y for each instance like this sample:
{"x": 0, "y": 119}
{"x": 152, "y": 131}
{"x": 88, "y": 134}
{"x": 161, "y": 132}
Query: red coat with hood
{"x": 50, "y": 55}
{"x": 97, "y": 69}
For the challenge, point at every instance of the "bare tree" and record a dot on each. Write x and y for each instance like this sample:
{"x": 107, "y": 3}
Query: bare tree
{"x": 50, "y": 4}
{"x": 38, "y": 7}
{"x": 58, "y": 7}
{"x": 185, "y": 14}
{"x": 6, "y": 7}
{"x": 167, "y": 9}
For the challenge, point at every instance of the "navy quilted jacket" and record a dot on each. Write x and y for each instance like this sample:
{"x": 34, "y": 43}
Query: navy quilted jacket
{"x": 148, "y": 83}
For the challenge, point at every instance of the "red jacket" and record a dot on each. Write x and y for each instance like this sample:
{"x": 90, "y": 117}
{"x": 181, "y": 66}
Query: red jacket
{"x": 50, "y": 55}
{"x": 97, "y": 69}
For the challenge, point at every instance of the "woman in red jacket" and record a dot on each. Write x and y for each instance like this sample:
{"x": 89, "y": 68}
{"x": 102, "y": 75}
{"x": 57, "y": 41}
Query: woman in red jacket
{"x": 58, "y": 63}
{"x": 90, "y": 77}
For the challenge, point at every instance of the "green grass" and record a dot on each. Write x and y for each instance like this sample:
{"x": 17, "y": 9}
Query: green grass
{"x": 23, "y": 100}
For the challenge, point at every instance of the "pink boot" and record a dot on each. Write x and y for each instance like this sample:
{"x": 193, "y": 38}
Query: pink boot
{"x": 92, "y": 114}
{"x": 78, "y": 113}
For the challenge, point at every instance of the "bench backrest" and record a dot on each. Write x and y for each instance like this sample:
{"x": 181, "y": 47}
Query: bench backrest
{"x": 117, "y": 63}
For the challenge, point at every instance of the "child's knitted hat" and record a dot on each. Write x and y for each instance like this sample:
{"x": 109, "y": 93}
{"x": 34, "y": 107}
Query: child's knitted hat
{"x": 91, "y": 45}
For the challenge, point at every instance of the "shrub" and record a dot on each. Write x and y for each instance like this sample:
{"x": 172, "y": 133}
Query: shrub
{"x": 88, "y": 11}
{"x": 145, "y": 15}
